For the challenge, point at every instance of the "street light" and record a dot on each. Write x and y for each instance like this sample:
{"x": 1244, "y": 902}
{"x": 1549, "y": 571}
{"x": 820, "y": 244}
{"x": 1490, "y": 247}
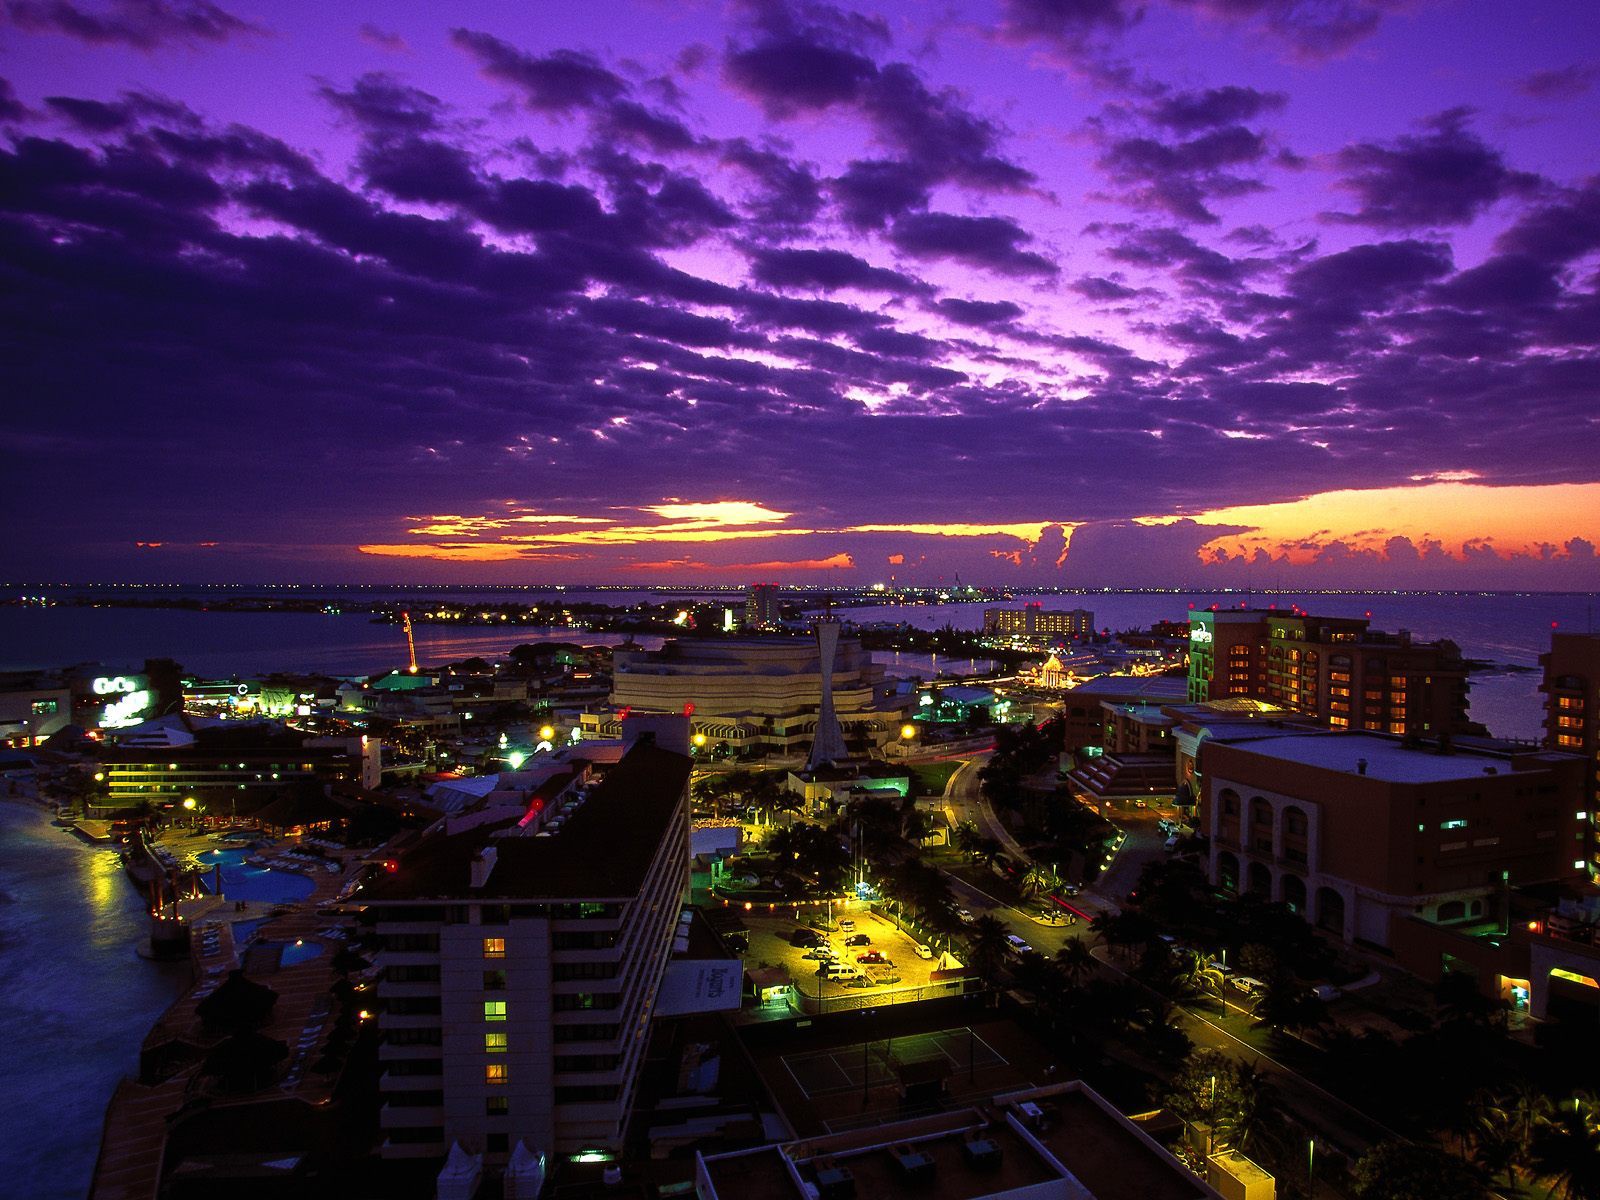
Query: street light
{"x": 907, "y": 732}
{"x": 546, "y": 732}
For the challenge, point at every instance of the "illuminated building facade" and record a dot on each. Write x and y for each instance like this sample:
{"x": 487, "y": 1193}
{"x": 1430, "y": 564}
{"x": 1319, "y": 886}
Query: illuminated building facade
{"x": 522, "y": 955}
{"x": 759, "y": 694}
{"x": 1354, "y": 829}
{"x": 1571, "y": 689}
{"x": 1035, "y": 622}
{"x": 761, "y": 607}
{"x": 217, "y": 774}
{"x": 1333, "y": 668}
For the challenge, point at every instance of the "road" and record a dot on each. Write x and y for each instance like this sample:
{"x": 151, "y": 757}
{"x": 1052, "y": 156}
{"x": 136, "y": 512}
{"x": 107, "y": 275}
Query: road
{"x": 1330, "y": 1119}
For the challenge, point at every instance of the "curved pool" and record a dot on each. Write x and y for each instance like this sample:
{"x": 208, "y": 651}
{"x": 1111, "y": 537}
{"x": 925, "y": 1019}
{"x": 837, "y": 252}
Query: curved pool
{"x": 241, "y": 881}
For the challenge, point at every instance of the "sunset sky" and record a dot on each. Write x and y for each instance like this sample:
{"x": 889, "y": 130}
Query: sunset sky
{"x": 1081, "y": 292}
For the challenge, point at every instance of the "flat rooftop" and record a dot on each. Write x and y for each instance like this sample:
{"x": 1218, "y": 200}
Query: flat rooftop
{"x": 601, "y": 852}
{"x": 1156, "y": 689}
{"x": 1061, "y": 1140}
{"x": 1387, "y": 758}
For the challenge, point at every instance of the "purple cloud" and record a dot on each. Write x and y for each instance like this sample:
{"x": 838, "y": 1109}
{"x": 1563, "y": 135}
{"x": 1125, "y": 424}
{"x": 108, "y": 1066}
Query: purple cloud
{"x": 1559, "y": 83}
{"x": 1446, "y": 175}
{"x": 992, "y": 243}
{"x": 142, "y": 24}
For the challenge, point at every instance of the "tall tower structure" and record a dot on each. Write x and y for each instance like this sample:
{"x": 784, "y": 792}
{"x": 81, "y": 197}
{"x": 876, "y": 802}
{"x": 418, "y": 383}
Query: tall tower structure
{"x": 828, "y": 745}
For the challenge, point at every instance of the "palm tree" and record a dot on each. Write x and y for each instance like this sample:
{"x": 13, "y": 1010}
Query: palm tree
{"x": 1193, "y": 975}
{"x": 1037, "y": 880}
{"x": 1567, "y": 1149}
{"x": 965, "y": 838}
{"x": 1074, "y": 961}
{"x": 988, "y": 946}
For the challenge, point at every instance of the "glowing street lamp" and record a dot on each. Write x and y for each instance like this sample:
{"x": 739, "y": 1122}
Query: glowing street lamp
{"x": 907, "y": 732}
{"x": 699, "y": 741}
{"x": 516, "y": 758}
{"x": 546, "y": 732}
{"x": 189, "y": 803}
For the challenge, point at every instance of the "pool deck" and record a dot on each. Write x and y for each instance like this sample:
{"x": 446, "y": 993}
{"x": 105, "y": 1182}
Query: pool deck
{"x": 133, "y": 1142}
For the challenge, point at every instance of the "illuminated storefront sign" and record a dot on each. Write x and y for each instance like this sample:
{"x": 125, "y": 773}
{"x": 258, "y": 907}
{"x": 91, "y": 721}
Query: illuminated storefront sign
{"x": 1200, "y": 634}
{"x": 116, "y": 685}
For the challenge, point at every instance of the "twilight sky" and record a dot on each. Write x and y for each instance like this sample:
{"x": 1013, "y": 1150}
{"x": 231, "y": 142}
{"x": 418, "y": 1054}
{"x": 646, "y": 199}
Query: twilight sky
{"x": 1294, "y": 292}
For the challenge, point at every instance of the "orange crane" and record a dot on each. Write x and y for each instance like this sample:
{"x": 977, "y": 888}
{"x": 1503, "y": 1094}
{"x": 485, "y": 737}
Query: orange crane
{"x": 411, "y": 641}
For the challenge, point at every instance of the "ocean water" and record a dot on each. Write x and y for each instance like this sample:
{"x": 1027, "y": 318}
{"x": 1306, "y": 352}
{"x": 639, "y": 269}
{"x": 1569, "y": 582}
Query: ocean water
{"x": 1510, "y": 630}
{"x": 75, "y": 1002}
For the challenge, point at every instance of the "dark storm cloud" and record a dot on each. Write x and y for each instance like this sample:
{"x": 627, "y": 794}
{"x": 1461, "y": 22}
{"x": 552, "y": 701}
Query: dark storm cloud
{"x": 1561, "y": 83}
{"x": 828, "y": 270}
{"x": 381, "y": 105}
{"x": 1069, "y": 22}
{"x": 1445, "y": 175}
{"x": 787, "y": 193}
{"x": 560, "y": 81}
{"x": 813, "y": 59}
{"x": 993, "y": 243}
{"x": 982, "y": 313}
{"x": 1309, "y": 29}
{"x": 872, "y": 191}
{"x": 1188, "y": 112}
{"x": 143, "y": 24}
{"x": 794, "y": 74}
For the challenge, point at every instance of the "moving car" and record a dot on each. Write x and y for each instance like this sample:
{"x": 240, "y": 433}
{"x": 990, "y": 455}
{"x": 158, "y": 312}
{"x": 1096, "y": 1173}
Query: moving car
{"x": 1017, "y": 945}
{"x": 873, "y": 956}
{"x": 965, "y": 917}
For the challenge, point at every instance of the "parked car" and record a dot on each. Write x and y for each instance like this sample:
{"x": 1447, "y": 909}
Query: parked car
{"x": 873, "y": 956}
{"x": 842, "y": 971}
{"x": 1247, "y": 985}
{"x": 1017, "y": 945}
{"x": 1070, "y": 889}
{"x": 805, "y": 937}
{"x": 858, "y": 939}
{"x": 846, "y": 925}
{"x": 821, "y": 954}
{"x": 965, "y": 917}
{"x": 922, "y": 951}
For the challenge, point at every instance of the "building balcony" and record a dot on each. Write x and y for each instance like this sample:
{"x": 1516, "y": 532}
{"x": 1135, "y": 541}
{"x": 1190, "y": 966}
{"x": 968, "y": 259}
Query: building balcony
{"x": 403, "y": 1116}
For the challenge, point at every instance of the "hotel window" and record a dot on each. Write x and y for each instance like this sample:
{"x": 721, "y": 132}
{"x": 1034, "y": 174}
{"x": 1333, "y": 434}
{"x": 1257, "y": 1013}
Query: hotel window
{"x": 1457, "y": 823}
{"x": 496, "y": 1073}
{"x": 495, "y": 1043}
{"x": 494, "y": 981}
{"x": 494, "y": 1010}
{"x": 494, "y": 947}
{"x": 497, "y": 1106}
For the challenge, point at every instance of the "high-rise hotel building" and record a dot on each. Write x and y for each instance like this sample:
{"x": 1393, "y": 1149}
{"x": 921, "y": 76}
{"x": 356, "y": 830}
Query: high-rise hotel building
{"x": 1037, "y": 622}
{"x": 1333, "y": 668}
{"x": 1571, "y": 689}
{"x": 523, "y": 945}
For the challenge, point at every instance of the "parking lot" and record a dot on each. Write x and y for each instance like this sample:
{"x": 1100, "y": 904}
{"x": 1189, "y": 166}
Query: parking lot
{"x": 902, "y": 969}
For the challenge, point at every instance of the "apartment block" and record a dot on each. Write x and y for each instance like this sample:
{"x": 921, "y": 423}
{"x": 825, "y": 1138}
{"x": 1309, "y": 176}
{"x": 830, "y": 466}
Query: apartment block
{"x": 1334, "y": 668}
{"x": 1353, "y": 829}
{"x": 524, "y": 946}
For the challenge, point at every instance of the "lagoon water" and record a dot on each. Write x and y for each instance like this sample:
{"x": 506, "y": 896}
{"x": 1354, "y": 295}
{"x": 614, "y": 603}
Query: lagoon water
{"x": 75, "y": 1002}
{"x": 1508, "y": 629}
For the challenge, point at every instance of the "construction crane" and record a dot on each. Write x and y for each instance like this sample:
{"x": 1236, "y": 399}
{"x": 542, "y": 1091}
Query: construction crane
{"x": 411, "y": 641}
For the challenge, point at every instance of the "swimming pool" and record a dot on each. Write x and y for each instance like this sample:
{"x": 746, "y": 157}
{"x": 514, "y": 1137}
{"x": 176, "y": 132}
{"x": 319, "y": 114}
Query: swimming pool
{"x": 241, "y": 881}
{"x": 296, "y": 952}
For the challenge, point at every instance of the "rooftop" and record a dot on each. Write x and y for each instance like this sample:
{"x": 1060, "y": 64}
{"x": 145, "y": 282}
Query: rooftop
{"x": 1062, "y": 1140}
{"x": 1154, "y": 688}
{"x": 1387, "y": 758}
{"x": 603, "y": 850}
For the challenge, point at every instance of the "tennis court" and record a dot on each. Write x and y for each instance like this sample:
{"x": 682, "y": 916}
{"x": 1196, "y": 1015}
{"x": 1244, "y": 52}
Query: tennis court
{"x": 871, "y": 1064}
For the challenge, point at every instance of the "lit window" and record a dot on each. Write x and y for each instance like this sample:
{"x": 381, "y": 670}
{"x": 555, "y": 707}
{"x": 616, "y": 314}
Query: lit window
{"x": 1578, "y": 866}
{"x": 495, "y": 1043}
{"x": 494, "y": 1010}
{"x": 494, "y": 947}
{"x": 496, "y": 1073}
{"x": 1458, "y": 823}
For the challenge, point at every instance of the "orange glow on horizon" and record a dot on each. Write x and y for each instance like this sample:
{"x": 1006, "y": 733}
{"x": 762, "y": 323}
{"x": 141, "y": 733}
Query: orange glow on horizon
{"x": 1516, "y": 519}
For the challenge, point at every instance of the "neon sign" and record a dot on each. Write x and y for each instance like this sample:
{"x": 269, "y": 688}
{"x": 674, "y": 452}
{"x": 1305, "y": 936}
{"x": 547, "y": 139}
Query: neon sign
{"x": 114, "y": 685}
{"x": 1200, "y": 634}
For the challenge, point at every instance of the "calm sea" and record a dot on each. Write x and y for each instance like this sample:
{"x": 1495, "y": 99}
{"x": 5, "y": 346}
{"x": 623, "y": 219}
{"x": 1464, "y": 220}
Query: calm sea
{"x": 1508, "y": 629}
{"x": 75, "y": 1003}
